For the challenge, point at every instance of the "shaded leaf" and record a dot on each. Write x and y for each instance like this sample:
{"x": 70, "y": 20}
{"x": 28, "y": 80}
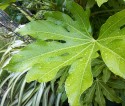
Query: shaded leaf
{"x": 89, "y": 95}
{"x": 99, "y": 98}
{"x": 110, "y": 93}
{"x": 117, "y": 84}
{"x": 101, "y": 91}
{"x": 97, "y": 69}
{"x": 62, "y": 80}
{"x": 106, "y": 74}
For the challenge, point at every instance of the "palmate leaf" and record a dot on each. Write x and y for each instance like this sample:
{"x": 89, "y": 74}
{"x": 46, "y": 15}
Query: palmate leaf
{"x": 45, "y": 58}
{"x": 63, "y": 40}
{"x": 83, "y": 79}
{"x": 101, "y": 91}
{"x": 109, "y": 93}
{"x": 112, "y": 43}
{"x": 99, "y": 98}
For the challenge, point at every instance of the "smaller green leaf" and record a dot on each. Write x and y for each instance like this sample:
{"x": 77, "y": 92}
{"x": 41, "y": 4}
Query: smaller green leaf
{"x": 100, "y": 2}
{"x": 117, "y": 84}
{"x": 109, "y": 93}
{"x": 97, "y": 69}
{"x": 89, "y": 95}
{"x": 99, "y": 95}
{"x": 106, "y": 74}
{"x": 97, "y": 61}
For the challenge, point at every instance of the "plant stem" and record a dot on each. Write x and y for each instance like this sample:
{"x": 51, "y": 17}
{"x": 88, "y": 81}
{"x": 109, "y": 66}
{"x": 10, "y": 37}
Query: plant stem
{"x": 23, "y": 12}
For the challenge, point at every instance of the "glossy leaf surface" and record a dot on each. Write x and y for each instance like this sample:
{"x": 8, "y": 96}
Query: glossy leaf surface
{"x": 112, "y": 43}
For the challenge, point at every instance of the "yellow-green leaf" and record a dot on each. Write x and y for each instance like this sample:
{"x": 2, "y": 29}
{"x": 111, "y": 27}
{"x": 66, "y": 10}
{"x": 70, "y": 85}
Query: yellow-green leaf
{"x": 80, "y": 77}
{"x": 112, "y": 43}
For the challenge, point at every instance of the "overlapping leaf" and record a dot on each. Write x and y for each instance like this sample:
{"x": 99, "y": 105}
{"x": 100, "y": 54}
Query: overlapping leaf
{"x": 112, "y": 43}
{"x": 117, "y": 84}
{"x": 63, "y": 40}
{"x": 87, "y": 99}
{"x": 99, "y": 89}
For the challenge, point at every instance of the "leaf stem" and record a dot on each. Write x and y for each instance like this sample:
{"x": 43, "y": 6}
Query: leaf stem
{"x": 23, "y": 12}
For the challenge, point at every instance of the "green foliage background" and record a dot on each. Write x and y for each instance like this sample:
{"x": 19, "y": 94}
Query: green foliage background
{"x": 79, "y": 49}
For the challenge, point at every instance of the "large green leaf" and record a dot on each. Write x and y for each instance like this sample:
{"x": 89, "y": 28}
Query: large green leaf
{"x": 57, "y": 51}
{"x": 63, "y": 40}
{"x": 60, "y": 41}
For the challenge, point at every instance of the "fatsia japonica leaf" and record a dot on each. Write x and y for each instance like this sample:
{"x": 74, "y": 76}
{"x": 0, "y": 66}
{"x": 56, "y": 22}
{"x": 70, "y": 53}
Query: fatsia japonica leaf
{"x": 63, "y": 40}
{"x": 112, "y": 43}
{"x": 60, "y": 41}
